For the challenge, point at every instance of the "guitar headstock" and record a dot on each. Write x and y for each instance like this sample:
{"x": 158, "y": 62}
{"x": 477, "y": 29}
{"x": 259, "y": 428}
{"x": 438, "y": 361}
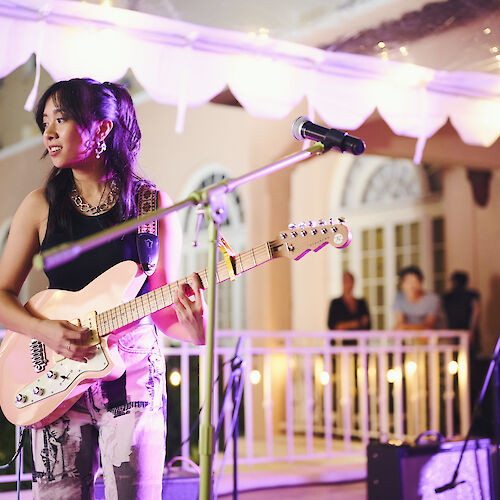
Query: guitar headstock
{"x": 298, "y": 240}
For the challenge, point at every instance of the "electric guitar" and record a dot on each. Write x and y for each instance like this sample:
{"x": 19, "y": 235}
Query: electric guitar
{"x": 38, "y": 385}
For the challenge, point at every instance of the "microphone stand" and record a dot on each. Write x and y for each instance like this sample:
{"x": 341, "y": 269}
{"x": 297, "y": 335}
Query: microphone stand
{"x": 235, "y": 389}
{"x": 213, "y": 201}
{"x": 477, "y": 408}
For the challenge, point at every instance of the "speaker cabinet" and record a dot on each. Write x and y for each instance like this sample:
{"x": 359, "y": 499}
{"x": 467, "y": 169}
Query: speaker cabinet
{"x": 414, "y": 472}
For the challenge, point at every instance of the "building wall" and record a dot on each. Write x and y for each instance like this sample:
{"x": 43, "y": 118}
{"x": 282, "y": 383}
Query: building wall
{"x": 473, "y": 244}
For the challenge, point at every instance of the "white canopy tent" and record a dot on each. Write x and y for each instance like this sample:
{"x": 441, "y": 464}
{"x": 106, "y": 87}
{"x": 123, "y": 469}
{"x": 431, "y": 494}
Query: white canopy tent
{"x": 187, "y": 65}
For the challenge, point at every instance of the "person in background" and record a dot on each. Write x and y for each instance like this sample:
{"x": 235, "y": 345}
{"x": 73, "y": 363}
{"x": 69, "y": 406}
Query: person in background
{"x": 347, "y": 312}
{"x": 461, "y": 304}
{"x": 414, "y": 308}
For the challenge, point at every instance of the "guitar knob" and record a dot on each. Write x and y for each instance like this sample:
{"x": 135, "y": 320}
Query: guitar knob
{"x": 51, "y": 374}
{"x": 293, "y": 234}
{"x": 323, "y": 231}
{"x": 37, "y": 391}
{"x": 291, "y": 226}
{"x": 20, "y": 398}
{"x": 314, "y": 231}
{"x": 303, "y": 233}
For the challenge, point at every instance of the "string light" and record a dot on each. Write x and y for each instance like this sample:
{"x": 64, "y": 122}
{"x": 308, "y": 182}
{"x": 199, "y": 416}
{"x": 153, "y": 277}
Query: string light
{"x": 175, "y": 378}
{"x": 255, "y": 377}
{"x": 453, "y": 367}
{"x": 403, "y": 50}
{"x": 487, "y": 31}
{"x": 411, "y": 367}
{"x": 494, "y": 49}
{"x": 263, "y": 33}
{"x": 381, "y": 45}
{"x": 324, "y": 378}
{"x": 393, "y": 375}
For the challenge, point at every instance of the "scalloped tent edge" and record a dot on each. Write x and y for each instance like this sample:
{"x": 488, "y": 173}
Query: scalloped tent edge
{"x": 186, "y": 65}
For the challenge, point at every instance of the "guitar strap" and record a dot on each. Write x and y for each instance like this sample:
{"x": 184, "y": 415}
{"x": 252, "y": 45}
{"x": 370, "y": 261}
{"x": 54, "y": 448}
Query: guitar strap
{"x": 148, "y": 243}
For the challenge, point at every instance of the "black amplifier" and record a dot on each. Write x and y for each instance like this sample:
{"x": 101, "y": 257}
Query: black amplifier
{"x": 406, "y": 472}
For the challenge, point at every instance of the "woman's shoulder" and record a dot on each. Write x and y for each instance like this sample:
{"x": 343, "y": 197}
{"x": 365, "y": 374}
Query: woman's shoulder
{"x": 32, "y": 213}
{"x": 34, "y": 206}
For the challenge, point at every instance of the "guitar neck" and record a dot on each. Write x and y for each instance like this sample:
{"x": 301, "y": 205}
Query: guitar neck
{"x": 151, "y": 302}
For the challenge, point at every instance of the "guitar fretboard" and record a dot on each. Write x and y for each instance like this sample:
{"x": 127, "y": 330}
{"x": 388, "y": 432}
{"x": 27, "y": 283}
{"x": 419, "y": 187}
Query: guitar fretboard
{"x": 124, "y": 314}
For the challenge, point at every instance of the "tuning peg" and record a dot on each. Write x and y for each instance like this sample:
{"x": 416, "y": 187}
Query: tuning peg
{"x": 341, "y": 219}
{"x": 302, "y": 225}
{"x": 311, "y": 223}
{"x": 291, "y": 226}
{"x": 321, "y": 222}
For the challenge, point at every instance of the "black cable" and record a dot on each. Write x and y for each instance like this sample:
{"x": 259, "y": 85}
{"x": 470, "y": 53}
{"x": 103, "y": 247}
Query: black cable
{"x": 19, "y": 448}
{"x": 197, "y": 420}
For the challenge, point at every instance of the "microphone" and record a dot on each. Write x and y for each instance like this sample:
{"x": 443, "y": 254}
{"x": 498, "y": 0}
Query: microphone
{"x": 302, "y": 129}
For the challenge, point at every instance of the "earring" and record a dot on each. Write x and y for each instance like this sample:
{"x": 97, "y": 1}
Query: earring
{"x": 100, "y": 148}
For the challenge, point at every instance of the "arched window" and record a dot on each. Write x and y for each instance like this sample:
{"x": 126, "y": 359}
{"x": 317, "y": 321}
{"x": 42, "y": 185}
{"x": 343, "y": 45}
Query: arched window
{"x": 393, "y": 208}
{"x": 230, "y": 295}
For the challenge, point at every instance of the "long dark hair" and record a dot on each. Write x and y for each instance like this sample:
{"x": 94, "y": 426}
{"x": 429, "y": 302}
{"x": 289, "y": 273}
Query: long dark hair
{"x": 87, "y": 101}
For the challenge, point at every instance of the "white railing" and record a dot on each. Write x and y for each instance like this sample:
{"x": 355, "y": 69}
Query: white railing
{"x": 313, "y": 395}
{"x": 318, "y": 398}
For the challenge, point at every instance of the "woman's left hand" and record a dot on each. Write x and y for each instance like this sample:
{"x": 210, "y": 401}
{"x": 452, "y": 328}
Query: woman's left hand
{"x": 190, "y": 310}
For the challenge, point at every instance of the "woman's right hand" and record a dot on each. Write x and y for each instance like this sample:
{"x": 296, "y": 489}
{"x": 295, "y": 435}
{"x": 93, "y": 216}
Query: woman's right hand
{"x": 66, "y": 339}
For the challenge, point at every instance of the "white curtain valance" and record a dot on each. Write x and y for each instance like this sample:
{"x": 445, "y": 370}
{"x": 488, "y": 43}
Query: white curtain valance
{"x": 185, "y": 65}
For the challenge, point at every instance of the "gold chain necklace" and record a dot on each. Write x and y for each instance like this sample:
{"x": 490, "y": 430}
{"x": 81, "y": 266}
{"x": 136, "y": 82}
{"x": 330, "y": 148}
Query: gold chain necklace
{"x": 83, "y": 206}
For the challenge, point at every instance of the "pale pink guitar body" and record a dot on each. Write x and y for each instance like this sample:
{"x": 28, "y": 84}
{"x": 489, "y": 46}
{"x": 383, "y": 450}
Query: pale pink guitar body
{"x": 114, "y": 287}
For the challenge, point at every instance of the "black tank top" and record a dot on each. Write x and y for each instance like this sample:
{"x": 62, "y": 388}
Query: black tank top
{"x": 79, "y": 272}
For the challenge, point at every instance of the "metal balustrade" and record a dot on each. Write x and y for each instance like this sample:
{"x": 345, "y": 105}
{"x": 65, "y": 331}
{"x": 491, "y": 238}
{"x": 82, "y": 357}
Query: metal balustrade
{"x": 313, "y": 395}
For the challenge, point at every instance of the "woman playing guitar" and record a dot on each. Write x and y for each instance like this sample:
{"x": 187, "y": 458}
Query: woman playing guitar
{"x": 91, "y": 133}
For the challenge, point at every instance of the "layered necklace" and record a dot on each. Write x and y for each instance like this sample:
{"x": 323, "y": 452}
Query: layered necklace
{"x": 103, "y": 206}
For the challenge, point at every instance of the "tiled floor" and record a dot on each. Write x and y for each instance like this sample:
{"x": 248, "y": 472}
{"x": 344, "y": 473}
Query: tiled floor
{"x": 352, "y": 491}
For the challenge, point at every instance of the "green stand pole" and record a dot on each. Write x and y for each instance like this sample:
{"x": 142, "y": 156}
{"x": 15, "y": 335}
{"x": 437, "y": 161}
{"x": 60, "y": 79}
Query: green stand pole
{"x": 206, "y": 427}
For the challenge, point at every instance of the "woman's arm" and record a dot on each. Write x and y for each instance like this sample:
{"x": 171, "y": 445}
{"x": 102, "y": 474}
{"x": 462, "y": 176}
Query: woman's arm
{"x": 23, "y": 243}
{"x": 184, "y": 320}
